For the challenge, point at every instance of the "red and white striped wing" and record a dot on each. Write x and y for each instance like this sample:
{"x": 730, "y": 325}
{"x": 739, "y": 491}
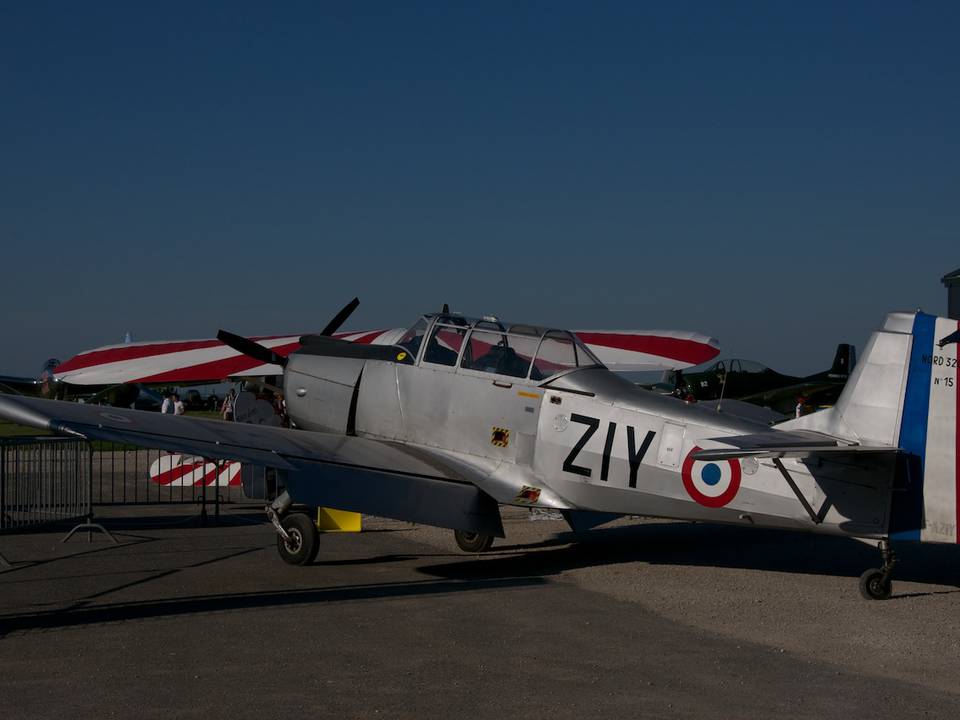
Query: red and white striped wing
{"x": 637, "y": 350}
{"x": 187, "y": 361}
{"x": 205, "y": 361}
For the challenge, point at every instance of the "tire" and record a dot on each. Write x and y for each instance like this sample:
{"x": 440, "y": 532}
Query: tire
{"x": 305, "y": 539}
{"x": 873, "y": 586}
{"x": 472, "y": 542}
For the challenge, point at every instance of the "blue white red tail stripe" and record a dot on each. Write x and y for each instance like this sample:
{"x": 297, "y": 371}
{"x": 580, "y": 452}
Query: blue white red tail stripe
{"x": 927, "y": 507}
{"x": 907, "y": 511}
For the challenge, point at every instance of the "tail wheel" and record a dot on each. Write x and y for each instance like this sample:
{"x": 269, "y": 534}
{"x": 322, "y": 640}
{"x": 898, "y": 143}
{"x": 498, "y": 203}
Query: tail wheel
{"x": 304, "y": 541}
{"x": 472, "y": 542}
{"x": 875, "y": 585}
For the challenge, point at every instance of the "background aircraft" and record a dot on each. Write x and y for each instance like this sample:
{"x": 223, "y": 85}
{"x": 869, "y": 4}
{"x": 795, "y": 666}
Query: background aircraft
{"x": 130, "y": 374}
{"x": 184, "y": 362}
{"x": 39, "y": 386}
{"x": 47, "y": 385}
{"x": 460, "y": 416}
{"x": 751, "y": 382}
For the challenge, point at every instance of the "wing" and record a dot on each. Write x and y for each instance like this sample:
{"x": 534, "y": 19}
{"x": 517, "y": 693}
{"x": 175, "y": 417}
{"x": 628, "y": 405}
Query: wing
{"x": 350, "y": 473}
{"x": 781, "y": 443}
{"x": 639, "y": 350}
{"x": 186, "y": 361}
{"x": 200, "y": 361}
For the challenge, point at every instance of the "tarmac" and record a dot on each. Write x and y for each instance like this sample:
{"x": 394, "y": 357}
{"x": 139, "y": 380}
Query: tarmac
{"x": 641, "y": 618}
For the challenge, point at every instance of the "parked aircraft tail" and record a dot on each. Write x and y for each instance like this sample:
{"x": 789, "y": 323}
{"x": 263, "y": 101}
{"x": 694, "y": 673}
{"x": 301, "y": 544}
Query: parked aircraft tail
{"x": 904, "y": 393}
{"x": 844, "y": 361}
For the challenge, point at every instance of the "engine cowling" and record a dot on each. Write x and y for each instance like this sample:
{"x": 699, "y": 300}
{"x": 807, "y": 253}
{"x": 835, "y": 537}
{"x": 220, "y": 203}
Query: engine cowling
{"x": 320, "y": 389}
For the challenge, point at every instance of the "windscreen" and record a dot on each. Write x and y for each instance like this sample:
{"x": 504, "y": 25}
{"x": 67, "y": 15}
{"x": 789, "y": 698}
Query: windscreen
{"x": 413, "y": 338}
{"x": 444, "y": 345}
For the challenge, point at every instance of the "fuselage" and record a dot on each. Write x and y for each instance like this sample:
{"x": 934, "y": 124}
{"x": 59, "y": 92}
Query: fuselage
{"x": 562, "y": 431}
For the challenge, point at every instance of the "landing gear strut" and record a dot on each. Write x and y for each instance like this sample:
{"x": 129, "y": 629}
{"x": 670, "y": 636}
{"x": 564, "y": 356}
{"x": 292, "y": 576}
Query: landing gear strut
{"x": 875, "y": 583}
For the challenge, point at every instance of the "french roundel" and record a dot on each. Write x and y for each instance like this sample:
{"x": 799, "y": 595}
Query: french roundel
{"x": 711, "y": 484}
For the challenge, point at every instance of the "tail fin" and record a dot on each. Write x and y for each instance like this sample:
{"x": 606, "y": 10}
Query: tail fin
{"x": 844, "y": 361}
{"x": 905, "y": 393}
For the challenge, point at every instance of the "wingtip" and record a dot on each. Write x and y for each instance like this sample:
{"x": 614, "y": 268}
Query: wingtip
{"x": 16, "y": 411}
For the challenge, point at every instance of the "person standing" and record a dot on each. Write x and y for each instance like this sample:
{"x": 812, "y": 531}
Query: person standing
{"x": 226, "y": 410}
{"x": 178, "y": 407}
{"x": 280, "y": 408}
{"x": 167, "y": 407}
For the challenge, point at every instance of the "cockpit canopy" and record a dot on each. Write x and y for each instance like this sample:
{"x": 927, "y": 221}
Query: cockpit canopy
{"x": 490, "y": 345}
{"x": 737, "y": 365}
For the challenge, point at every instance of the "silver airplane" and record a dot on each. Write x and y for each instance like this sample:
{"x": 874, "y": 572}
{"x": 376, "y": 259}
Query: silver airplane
{"x": 463, "y": 416}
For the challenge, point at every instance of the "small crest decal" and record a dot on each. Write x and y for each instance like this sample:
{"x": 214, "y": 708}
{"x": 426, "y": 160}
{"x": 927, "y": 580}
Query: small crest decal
{"x": 528, "y": 495}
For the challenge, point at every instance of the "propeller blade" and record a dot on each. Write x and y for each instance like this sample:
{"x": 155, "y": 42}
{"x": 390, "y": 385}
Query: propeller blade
{"x": 251, "y": 349}
{"x": 340, "y": 317}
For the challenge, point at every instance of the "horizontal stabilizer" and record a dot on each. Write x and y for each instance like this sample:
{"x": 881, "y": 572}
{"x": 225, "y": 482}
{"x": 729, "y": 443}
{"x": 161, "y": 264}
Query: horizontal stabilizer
{"x": 778, "y": 444}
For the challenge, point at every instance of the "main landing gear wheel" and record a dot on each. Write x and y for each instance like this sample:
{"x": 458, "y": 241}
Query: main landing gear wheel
{"x": 472, "y": 542}
{"x": 875, "y": 583}
{"x": 304, "y": 541}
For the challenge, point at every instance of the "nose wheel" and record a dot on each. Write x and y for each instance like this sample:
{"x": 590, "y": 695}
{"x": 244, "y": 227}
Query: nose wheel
{"x": 875, "y": 584}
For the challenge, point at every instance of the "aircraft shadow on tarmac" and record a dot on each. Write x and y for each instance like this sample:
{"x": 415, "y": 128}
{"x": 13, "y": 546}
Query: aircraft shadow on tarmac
{"x": 530, "y": 565}
{"x": 705, "y": 545}
{"x": 120, "y": 525}
{"x": 125, "y": 611}
{"x": 162, "y": 522}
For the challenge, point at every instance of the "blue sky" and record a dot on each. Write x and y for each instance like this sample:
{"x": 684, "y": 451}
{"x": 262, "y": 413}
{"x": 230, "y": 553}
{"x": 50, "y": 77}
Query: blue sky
{"x": 778, "y": 175}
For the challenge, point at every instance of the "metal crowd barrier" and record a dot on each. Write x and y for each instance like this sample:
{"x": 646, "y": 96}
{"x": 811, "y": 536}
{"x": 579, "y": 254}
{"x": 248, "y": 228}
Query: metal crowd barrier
{"x": 43, "y": 480}
{"x": 49, "y": 479}
{"x": 128, "y": 475}
{"x": 52, "y": 479}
